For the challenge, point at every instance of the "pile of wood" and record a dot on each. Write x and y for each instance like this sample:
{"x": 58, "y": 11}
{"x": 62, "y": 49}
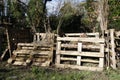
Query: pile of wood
{"x": 38, "y": 53}
{"x": 84, "y": 53}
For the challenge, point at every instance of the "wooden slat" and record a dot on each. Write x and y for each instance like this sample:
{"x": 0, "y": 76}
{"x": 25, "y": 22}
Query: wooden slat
{"x": 78, "y": 34}
{"x": 68, "y": 59}
{"x": 94, "y": 40}
{"x": 75, "y": 53}
{"x": 79, "y": 67}
{"x": 83, "y": 46}
{"x": 101, "y": 60}
{"x": 22, "y": 52}
{"x": 31, "y": 48}
{"x": 79, "y": 50}
{"x": 58, "y": 52}
{"x": 89, "y": 60}
{"x": 25, "y": 44}
{"x": 19, "y": 63}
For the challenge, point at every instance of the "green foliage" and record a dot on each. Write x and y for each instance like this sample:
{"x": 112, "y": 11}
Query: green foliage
{"x": 90, "y": 17}
{"x": 35, "y": 14}
{"x": 114, "y": 14}
{"x": 17, "y": 13}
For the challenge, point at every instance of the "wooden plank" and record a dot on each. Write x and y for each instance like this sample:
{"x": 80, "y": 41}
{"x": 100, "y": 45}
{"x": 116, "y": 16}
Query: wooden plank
{"x": 78, "y": 34}
{"x": 19, "y": 63}
{"x": 3, "y": 55}
{"x": 83, "y": 46}
{"x": 101, "y": 60}
{"x": 58, "y": 51}
{"x": 45, "y": 64}
{"x": 22, "y": 52}
{"x": 68, "y": 59}
{"x": 20, "y": 59}
{"x": 113, "y": 48}
{"x": 79, "y": 67}
{"x": 94, "y": 40}
{"x": 75, "y": 53}
{"x": 27, "y": 48}
{"x": 41, "y": 52}
{"x": 79, "y": 51}
{"x": 89, "y": 60}
{"x": 25, "y": 44}
{"x": 10, "y": 60}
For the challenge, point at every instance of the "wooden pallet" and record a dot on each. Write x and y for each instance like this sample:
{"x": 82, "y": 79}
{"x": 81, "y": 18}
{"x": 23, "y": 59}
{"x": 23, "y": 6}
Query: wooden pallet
{"x": 38, "y": 53}
{"x": 86, "y": 51}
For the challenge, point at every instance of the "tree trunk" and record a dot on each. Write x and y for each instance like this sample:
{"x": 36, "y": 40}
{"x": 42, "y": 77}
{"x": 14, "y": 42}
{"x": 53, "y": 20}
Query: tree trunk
{"x": 103, "y": 15}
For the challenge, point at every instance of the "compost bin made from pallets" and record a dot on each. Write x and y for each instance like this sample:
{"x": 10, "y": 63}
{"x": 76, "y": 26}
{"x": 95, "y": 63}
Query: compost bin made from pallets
{"x": 39, "y": 53}
{"x": 84, "y": 53}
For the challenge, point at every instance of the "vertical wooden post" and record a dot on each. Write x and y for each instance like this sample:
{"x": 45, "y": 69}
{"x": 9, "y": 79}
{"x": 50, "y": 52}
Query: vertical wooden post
{"x": 34, "y": 37}
{"x": 113, "y": 64}
{"x": 97, "y": 35}
{"x": 58, "y": 52}
{"x": 101, "y": 60}
{"x": 107, "y": 38}
{"x": 38, "y": 37}
{"x": 79, "y": 50}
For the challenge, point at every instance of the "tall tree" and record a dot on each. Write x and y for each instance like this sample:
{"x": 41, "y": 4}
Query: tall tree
{"x": 103, "y": 14}
{"x": 35, "y": 14}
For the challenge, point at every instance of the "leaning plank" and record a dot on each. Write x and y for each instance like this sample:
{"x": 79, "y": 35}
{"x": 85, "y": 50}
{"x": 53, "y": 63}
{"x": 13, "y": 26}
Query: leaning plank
{"x": 3, "y": 55}
{"x": 79, "y": 67}
{"x": 75, "y": 53}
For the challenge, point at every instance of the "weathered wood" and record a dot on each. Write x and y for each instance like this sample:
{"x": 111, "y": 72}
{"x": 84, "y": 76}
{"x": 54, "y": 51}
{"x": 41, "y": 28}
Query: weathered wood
{"x": 94, "y": 40}
{"x": 68, "y": 59}
{"x": 79, "y": 51}
{"x": 75, "y": 53}
{"x": 58, "y": 51}
{"x": 8, "y": 42}
{"x": 3, "y": 55}
{"x": 79, "y": 67}
{"x": 19, "y": 63}
{"x": 83, "y": 46}
{"x": 89, "y": 60}
{"x": 79, "y": 34}
{"x": 10, "y": 60}
{"x": 113, "y": 65}
{"x": 101, "y": 60}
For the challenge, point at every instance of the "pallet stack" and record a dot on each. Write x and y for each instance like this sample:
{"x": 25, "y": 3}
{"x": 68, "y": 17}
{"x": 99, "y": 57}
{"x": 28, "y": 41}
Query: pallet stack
{"x": 80, "y": 53}
{"x": 39, "y": 53}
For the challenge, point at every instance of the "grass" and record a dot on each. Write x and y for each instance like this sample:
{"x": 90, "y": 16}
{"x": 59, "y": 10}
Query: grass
{"x": 8, "y": 72}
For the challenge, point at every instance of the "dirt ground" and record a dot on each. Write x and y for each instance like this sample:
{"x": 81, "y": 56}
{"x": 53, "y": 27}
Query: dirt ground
{"x": 10, "y": 72}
